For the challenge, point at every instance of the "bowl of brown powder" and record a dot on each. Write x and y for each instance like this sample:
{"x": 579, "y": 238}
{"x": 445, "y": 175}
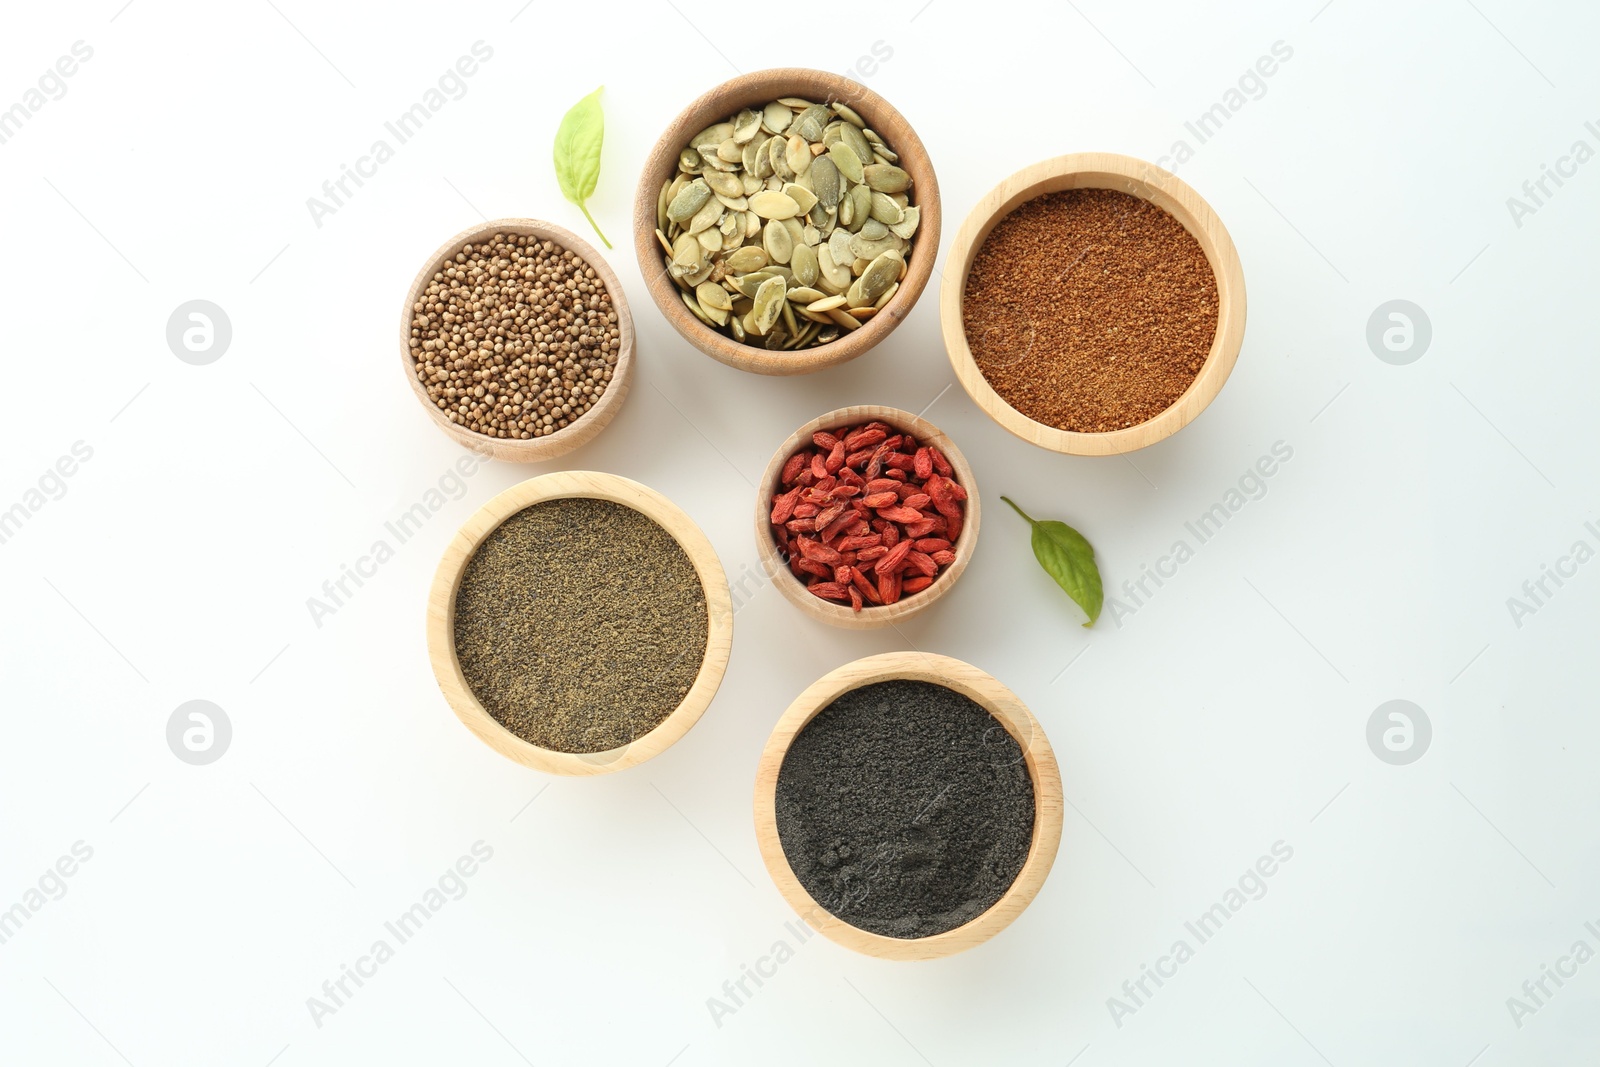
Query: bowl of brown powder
{"x": 1093, "y": 304}
{"x": 516, "y": 338}
{"x": 908, "y": 806}
{"x": 579, "y": 623}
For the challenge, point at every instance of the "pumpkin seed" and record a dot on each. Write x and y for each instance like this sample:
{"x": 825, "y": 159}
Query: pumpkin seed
{"x": 803, "y": 261}
{"x": 798, "y": 155}
{"x": 777, "y": 242}
{"x": 788, "y": 224}
{"x": 773, "y": 205}
{"x": 690, "y": 200}
{"x": 769, "y": 304}
{"x": 746, "y": 125}
{"x": 801, "y": 196}
{"x": 776, "y": 117}
{"x": 825, "y": 181}
{"x": 724, "y": 183}
{"x": 826, "y": 304}
{"x": 844, "y": 157}
{"x": 746, "y": 259}
{"x": 811, "y": 121}
{"x": 848, "y": 115}
{"x": 885, "y": 178}
{"x": 907, "y": 226}
{"x": 885, "y": 210}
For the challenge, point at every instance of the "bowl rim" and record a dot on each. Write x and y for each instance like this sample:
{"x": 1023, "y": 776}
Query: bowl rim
{"x": 561, "y": 485}
{"x": 586, "y": 426}
{"x": 1105, "y": 170}
{"x": 727, "y": 98}
{"x": 1007, "y": 709}
{"x": 871, "y": 616}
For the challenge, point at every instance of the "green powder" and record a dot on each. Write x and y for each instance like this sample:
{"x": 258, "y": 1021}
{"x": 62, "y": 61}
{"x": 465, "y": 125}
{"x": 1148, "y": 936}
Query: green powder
{"x": 580, "y": 624}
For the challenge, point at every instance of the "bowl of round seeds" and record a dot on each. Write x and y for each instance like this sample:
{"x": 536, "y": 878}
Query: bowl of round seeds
{"x": 866, "y": 516}
{"x": 1093, "y": 304}
{"x": 579, "y": 623}
{"x": 908, "y": 806}
{"x": 787, "y": 221}
{"x": 517, "y": 339}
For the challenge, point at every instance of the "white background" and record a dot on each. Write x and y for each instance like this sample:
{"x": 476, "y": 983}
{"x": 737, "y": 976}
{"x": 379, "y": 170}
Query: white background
{"x": 1227, "y": 713}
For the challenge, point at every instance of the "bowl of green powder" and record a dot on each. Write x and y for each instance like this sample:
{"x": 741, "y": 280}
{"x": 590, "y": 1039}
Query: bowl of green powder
{"x": 579, "y": 623}
{"x": 908, "y": 806}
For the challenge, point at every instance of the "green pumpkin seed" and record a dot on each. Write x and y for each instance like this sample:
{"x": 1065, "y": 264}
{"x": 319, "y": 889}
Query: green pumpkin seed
{"x": 888, "y": 294}
{"x": 802, "y": 196}
{"x": 748, "y": 284}
{"x": 775, "y": 239}
{"x": 747, "y": 259}
{"x": 769, "y": 304}
{"x": 797, "y": 102}
{"x": 803, "y": 261}
{"x": 811, "y": 121}
{"x": 825, "y": 181}
{"x": 804, "y": 294}
{"x": 884, "y": 178}
{"x": 773, "y": 205}
{"x": 689, "y": 160}
{"x": 907, "y": 226}
{"x": 776, "y": 117}
{"x": 724, "y": 183}
{"x": 689, "y": 200}
{"x": 861, "y": 205}
{"x": 844, "y": 157}
{"x": 730, "y": 151}
{"x": 826, "y": 304}
{"x": 746, "y": 126}
{"x": 848, "y": 115}
{"x": 885, "y": 210}
{"x": 798, "y": 155}
{"x": 712, "y": 135}
{"x": 713, "y": 297}
{"x": 858, "y": 144}
{"x": 710, "y": 214}
{"x": 873, "y": 230}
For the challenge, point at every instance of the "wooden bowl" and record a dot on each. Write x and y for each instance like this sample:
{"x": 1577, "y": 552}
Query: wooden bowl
{"x": 763, "y": 87}
{"x": 594, "y": 420}
{"x": 872, "y": 615}
{"x": 442, "y": 611}
{"x": 1006, "y": 708}
{"x": 1098, "y": 170}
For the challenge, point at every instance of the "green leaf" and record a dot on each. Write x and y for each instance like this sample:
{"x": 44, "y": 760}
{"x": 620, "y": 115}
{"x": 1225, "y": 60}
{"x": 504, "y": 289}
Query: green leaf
{"x": 577, "y": 153}
{"x": 1067, "y": 556}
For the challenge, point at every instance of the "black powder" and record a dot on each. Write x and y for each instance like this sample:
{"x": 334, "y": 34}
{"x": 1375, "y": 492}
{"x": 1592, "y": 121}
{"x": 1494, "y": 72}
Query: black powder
{"x": 905, "y": 808}
{"x": 580, "y": 624}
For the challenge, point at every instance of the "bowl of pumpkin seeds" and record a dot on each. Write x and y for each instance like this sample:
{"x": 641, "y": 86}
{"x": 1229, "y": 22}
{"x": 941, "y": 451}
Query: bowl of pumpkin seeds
{"x": 787, "y": 221}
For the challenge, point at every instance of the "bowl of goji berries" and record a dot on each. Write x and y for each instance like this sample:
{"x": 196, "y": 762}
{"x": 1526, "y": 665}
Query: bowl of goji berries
{"x": 866, "y": 516}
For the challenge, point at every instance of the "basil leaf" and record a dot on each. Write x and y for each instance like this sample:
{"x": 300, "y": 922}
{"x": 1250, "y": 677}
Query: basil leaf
{"x": 1067, "y": 556}
{"x": 577, "y": 153}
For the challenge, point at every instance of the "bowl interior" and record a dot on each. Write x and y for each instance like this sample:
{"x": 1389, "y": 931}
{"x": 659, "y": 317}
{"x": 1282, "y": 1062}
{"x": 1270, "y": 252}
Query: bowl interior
{"x": 595, "y": 485}
{"x": 1009, "y": 711}
{"x": 1148, "y": 182}
{"x": 574, "y": 433}
{"x": 760, "y": 88}
{"x": 871, "y": 615}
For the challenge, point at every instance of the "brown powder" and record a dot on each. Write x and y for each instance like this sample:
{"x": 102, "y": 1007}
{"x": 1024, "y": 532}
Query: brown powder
{"x": 1090, "y": 310}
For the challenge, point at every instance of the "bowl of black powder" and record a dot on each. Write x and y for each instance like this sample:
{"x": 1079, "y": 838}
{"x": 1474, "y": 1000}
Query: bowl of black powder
{"x": 908, "y": 806}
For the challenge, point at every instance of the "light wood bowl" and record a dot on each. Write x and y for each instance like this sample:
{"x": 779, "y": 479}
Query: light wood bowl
{"x": 1006, "y": 708}
{"x": 763, "y": 87}
{"x": 870, "y": 616}
{"x": 442, "y": 610}
{"x": 581, "y": 432}
{"x": 1098, "y": 170}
